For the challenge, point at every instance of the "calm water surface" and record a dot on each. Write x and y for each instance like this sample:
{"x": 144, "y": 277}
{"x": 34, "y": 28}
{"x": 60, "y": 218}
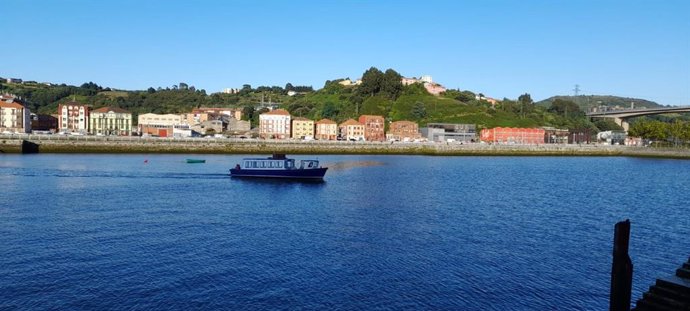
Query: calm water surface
{"x": 111, "y": 232}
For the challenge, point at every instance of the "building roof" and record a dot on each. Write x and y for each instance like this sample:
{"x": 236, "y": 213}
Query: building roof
{"x": 403, "y": 122}
{"x": 74, "y": 103}
{"x": 11, "y": 104}
{"x": 350, "y": 122}
{"x": 326, "y": 121}
{"x": 301, "y": 119}
{"x": 109, "y": 109}
{"x": 213, "y": 109}
{"x": 370, "y": 116}
{"x": 281, "y": 112}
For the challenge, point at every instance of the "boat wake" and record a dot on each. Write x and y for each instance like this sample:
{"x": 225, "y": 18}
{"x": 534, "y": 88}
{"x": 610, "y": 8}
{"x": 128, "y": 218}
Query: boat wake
{"x": 346, "y": 165}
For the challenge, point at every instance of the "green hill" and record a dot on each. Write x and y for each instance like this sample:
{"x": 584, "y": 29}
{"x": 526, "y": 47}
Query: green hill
{"x": 380, "y": 93}
{"x": 588, "y": 101}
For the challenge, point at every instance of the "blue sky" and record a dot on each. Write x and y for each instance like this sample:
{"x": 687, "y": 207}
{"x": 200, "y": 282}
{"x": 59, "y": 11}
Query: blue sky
{"x": 499, "y": 48}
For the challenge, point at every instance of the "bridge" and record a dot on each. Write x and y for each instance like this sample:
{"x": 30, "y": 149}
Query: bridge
{"x": 619, "y": 116}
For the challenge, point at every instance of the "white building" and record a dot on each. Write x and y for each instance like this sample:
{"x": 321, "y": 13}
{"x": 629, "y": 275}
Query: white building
{"x": 275, "y": 124}
{"x": 161, "y": 125}
{"x": 14, "y": 116}
{"x": 110, "y": 121}
{"x": 73, "y": 117}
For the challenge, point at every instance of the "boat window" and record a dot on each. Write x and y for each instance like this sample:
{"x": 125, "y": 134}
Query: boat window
{"x": 254, "y": 164}
{"x": 263, "y": 164}
{"x": 280, "y": 164}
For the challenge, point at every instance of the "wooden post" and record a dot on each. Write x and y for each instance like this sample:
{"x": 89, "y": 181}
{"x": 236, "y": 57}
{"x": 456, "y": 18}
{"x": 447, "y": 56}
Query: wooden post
{"x": 29, "y": 147}
{"x": 621, "y": 269}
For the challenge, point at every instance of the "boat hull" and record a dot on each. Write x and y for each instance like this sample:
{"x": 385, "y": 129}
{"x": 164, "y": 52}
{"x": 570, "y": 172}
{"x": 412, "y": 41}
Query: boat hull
{"x": 316, "y": 173}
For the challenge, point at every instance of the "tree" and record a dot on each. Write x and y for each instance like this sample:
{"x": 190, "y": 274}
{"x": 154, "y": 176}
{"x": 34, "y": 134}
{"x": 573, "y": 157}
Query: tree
{"x": 391, "y": 84}
{"x": 526, "y": 103}
{"x": 676, "y": 132}
{"x": 607, "y": 125}
{"x": 330, "y": 110}
{"x": 465, "y": 96}
{"x": 419, "y": 110}
{"x": 247, "y": 112}
{"x": 371, "y": 82}
{"x": 289, "y": 87}
{"x": 565, "y": 108}
{"x": 151, "y": 90}
{"x": 255, "y": 116}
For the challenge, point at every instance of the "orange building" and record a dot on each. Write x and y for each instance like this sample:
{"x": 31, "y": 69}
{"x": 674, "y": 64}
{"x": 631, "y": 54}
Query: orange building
{"x": 403, "y": 131}
{"x": 351, "y": 130}
{"x": 326, "y": 129}
{"x": 373, "y": 127}
{"x": 509, "y": 135}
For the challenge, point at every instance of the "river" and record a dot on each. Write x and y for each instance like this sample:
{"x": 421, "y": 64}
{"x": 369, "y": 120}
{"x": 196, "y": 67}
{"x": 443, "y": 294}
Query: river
{"x": 145, "y": 232}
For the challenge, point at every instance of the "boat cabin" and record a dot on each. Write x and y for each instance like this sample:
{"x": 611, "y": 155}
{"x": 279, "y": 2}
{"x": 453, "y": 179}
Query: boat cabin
{"x": 278, "y": 162}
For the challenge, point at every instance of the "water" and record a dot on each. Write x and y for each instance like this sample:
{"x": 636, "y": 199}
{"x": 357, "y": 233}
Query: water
{"x": 111, "y": 232}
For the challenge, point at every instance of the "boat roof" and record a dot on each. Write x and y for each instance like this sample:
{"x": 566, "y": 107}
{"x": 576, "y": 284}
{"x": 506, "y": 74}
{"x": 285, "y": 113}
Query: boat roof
{"x": 274, "y": 157}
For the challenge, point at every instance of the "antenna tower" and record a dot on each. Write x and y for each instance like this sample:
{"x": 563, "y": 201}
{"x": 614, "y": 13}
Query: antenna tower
{"x": 577, "y": 90}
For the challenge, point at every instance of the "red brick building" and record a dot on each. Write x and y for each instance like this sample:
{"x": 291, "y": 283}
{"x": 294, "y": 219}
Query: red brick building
{"x": 73, "y": 117}
{"x": 403, "y": 131}
{"x": 509, "y": 135}
{"x": 373, "y": 127}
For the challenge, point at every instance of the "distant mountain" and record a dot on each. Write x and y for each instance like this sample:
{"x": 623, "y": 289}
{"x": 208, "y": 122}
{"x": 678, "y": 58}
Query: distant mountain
{"x": 587, "y": 101}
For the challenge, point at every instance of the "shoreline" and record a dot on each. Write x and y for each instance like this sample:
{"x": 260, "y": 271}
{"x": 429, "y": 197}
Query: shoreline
{"x": 93, "y": 144}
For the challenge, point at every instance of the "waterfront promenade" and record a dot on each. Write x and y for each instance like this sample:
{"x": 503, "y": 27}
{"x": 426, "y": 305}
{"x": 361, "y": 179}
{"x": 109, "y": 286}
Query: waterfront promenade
{"x": 109, "y": 144}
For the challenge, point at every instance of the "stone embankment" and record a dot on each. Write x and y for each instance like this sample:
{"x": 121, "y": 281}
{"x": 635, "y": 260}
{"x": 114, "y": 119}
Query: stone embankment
{"x": 97, "y": 144}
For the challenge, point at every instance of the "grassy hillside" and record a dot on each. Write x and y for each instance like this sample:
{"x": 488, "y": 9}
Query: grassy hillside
{"x": 381, "y": 95}
{"x": 587, "y": 101}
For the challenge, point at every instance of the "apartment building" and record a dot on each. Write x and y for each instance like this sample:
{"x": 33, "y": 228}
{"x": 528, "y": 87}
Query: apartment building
{"x": 110, "y": 121}
{"x": 302, "y": 128}
{"x": 73, "y": 117}
{"x": 15, "y": 117}
{"x": 403, "y": 131}
{"x": 275, "y": 124}
{"x": 351, "y": 130}
{"x": 373, "y": 127}
{"x": 326, "y": 129}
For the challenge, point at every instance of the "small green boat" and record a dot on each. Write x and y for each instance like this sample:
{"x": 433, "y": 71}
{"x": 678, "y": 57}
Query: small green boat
{"x": 196, "y": 161}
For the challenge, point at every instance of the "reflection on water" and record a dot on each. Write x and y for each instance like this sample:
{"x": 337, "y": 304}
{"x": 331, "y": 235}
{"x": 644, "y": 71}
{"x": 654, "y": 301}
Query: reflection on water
{"x": 279, "y": 181}
{"x": 345, "y": 165}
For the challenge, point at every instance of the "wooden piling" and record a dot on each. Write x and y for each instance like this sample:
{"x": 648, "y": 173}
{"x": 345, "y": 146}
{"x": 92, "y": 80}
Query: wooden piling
{"x": 621, "y": 269}
{"x": 29, "y": 147}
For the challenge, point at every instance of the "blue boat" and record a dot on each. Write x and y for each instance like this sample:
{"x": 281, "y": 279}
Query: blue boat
{"x": 279, "y": 166}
